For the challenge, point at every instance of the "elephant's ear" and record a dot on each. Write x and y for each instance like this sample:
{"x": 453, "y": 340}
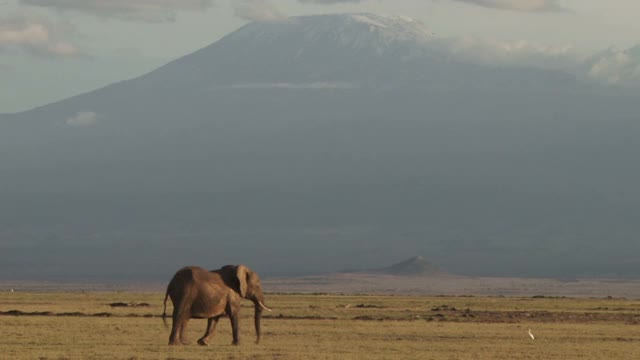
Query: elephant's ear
{"x": 241, "y": 273}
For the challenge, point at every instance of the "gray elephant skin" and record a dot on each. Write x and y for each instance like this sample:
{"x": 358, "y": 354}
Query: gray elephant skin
{"x": 197, "y": 293}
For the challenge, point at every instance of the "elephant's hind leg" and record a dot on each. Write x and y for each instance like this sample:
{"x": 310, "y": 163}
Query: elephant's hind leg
{"x": 183, "y": 328}
{"x": 174, "y": 338}
{"x": 211, "y": 327}
{"x": 177, "y": 329}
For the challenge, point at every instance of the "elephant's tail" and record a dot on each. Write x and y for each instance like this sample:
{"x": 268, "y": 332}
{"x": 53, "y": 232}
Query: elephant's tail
{"x": 164, "y": 312}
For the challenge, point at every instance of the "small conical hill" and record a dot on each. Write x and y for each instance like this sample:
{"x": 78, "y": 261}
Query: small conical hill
{"x": 413, "y": 266}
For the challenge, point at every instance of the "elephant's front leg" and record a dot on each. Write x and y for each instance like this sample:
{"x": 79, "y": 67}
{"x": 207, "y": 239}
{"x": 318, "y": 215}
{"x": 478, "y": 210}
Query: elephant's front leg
{"x": 211, "y": 327}
{"x": 232, "y": 310}
{"x": 234, "y": 327}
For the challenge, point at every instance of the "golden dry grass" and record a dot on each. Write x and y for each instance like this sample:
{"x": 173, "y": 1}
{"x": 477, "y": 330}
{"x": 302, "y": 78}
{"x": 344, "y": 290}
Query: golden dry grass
{"x": 328, "y": 327}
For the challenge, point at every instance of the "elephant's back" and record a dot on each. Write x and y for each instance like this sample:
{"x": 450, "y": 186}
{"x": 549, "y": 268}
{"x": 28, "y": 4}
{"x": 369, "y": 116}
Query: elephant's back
{"x": 184, "y": 277}
{"x": 191, "y": 271}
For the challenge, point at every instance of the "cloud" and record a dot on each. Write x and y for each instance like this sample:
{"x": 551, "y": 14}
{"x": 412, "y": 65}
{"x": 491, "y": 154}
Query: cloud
{"x": 519, "y": 5}
{"x": 329, "y": 2}
{"x": 257, "y": 10}
{"x": 516, "y": 5}
{"x": 132, "y": 10}
{"x": 611, "y": 67}
{"x": 517, "y": 53}
{"x": 293, "y": 86}
{"x": 83, "y": 118}
{"x": 616, "y": 67}
{"x": 37, "y": 36}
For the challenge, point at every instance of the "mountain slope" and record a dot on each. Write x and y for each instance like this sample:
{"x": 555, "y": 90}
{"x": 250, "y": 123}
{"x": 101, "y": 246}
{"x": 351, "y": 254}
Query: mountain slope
{"x": 318, "y": 144}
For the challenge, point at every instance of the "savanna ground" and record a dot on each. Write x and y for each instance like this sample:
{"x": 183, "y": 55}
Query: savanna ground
{"x": 76, "y": 325}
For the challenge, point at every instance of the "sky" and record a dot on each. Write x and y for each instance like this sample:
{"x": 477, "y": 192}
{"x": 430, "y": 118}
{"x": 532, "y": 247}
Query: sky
{"x": 54, "y": 49}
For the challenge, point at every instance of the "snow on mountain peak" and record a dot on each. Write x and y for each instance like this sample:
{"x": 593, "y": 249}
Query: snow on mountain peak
{"x": 390, "y": 28}
{"x": 394, "y": 23}
{"x": 367, "y": 20}
{"x": 379, "y": 33}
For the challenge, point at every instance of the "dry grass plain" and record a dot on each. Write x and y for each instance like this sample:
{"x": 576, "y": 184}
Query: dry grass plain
{"x": 75, "y": 325}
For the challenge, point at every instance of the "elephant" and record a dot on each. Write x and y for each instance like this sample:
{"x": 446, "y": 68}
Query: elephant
{"x": 200, "y": 294}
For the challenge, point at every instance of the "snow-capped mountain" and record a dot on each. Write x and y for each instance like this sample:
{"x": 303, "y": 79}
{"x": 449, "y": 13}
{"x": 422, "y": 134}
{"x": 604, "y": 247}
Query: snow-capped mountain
{"x": 344, "y": 51}
{"x": 322, "y": 143}
{"x": 306, "y": 49}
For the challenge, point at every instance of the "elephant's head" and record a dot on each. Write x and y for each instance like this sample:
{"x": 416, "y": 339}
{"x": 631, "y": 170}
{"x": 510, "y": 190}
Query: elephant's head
{"x": 246, "y": 283}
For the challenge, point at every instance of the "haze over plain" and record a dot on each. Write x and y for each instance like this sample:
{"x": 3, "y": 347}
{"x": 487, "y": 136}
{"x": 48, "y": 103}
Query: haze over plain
{"x": 314, "y": 143}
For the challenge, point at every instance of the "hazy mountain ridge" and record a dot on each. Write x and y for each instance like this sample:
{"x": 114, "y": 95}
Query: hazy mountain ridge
{"x": 301, "y": 162}
{"x": 414, "y": 266}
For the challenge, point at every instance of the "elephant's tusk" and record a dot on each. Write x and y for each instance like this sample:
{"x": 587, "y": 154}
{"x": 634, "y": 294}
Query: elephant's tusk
{"x": 264, "y": 307}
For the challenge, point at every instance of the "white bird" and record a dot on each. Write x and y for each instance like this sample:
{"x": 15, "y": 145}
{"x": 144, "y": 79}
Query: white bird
{"x": 530, "y": 334}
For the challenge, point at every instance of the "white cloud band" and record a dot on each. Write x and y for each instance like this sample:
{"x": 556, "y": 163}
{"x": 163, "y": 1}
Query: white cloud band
{"x": 616, "y": 67}
{"x": 35, "y": 35}
{"x": 83, "y": 118}
{"x": 257, "y": 10}
{"x": 516, "y": 5}
{"x": 135, "y": 10}
{"x": 519, "y": 5}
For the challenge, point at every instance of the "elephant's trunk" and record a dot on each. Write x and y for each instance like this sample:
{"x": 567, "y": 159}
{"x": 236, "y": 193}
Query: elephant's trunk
{"x": 256, "y": 318}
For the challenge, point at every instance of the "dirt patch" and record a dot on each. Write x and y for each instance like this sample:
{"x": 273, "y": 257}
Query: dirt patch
{"x": 293, "y": 317}
{"x": 70, "y": 314}
{"x": 130, "y": 304}
{"x": 19, "y": 313}
{"x": 368, "y": 306}
{"x": 534, "y": 316}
